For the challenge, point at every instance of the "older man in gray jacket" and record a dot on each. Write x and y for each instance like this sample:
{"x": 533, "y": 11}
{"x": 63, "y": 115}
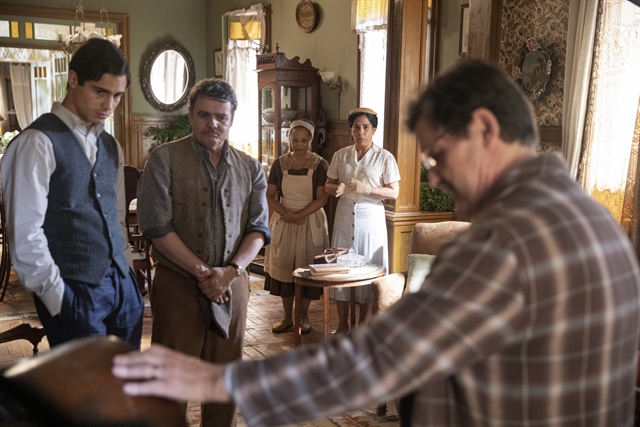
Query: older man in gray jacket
{"x": 203, "y": 205}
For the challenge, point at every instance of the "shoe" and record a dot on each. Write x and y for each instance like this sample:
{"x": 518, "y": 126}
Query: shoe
{"x": 305, "y": 326}
{"x": 343, "y": 332}
{"x": 282, "y": 326}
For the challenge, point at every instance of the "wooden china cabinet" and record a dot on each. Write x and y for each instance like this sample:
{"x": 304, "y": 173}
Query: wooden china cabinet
{"x": 288, "y": 91}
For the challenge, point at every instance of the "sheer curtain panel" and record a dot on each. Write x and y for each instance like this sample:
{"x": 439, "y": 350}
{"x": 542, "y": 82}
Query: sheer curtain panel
{"x": 242, "y": 76}
{"x": 580, "y": 41}
{"x": 21, "y": 87}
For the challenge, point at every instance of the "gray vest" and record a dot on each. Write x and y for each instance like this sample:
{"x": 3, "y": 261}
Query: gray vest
{"x": 81, "y": 223}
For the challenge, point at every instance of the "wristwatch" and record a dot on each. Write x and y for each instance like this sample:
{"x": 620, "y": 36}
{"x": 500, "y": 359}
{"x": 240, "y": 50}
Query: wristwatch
{"x": 239, "y": 269}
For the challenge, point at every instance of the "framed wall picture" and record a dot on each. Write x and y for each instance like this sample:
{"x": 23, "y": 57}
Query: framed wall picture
{"x": 218, "y": 63}
{"x": 464, "y": 30}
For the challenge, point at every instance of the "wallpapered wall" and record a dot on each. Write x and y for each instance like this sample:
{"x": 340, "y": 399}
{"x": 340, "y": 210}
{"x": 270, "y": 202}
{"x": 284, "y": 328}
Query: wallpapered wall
{"x": 547, "y": 22}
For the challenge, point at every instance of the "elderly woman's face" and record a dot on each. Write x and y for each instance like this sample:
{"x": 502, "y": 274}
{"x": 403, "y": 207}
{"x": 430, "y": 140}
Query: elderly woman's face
{"x": 300, "y": 139}
{"x": 362, "y": 131}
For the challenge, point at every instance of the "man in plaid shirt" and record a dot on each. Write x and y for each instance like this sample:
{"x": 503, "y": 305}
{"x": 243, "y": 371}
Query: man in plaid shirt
{"x": 529, "y": 318}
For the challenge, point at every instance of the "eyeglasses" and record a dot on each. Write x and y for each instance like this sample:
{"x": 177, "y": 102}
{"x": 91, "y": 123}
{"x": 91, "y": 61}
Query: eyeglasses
{"x": 430, "y": 159}
{"x": 427, "y": 161}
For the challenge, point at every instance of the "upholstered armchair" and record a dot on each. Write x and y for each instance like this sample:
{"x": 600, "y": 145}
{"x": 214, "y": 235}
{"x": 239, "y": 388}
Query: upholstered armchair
{"x": 426, "y": 238}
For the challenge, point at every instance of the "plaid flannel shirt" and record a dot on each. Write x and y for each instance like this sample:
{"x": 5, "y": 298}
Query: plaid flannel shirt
{"x": 529, "y": 318}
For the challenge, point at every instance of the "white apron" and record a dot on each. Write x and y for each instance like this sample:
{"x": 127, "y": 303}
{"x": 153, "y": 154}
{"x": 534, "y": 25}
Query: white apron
{"x": 293, "y": 246}
{"x": 362, "y": 227}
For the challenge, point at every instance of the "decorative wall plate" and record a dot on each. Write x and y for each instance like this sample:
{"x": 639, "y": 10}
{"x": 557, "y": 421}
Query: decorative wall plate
{"x": 306, "y": 16}
{"x": 534, "y": 70}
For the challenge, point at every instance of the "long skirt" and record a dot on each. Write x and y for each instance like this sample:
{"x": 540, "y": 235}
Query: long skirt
{"x": 360, "y": 226}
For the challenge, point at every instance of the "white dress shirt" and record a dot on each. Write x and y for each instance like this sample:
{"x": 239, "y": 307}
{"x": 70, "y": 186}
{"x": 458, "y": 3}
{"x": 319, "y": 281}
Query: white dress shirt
{"x": 377, "y": 168}
{"x": 26, "y": 169}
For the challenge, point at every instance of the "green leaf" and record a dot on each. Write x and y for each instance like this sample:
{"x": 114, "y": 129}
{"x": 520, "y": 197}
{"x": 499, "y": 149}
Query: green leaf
{"x": 180, "y": 127}
{"x": 433, "y": 199}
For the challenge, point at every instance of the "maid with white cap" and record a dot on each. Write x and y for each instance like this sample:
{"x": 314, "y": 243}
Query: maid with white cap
{"x": 362, "y": 175}
{"x": 296, "y": 195}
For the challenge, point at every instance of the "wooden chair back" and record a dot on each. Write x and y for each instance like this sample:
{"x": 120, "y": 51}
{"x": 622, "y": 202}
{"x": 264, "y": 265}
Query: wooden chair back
{"x": 72, "y": 385}
{"x": 5, "y": 258}
{"x": 131, "y": 178}
{"x": 140, "y": 245}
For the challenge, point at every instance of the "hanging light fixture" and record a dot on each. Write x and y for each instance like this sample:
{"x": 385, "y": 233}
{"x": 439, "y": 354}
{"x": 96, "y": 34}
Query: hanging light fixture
{"x": 71, "y": 42}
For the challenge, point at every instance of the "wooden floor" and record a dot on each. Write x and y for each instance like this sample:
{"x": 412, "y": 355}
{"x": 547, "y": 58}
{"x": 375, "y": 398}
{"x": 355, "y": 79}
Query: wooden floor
{"x": 260, "y": 342}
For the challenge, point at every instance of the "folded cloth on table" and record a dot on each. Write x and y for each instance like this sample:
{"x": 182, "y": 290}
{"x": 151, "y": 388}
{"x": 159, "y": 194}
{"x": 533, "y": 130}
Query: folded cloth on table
{"x": 329, "y": 256}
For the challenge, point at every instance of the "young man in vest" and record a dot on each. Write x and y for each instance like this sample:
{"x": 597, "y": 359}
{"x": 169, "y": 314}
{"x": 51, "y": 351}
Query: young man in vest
{"x": 63, "y": 186}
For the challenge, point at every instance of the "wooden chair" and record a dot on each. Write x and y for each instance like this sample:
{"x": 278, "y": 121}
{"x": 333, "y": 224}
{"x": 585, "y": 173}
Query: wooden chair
{"x": 72, "y": 385}
{"x": 140, "y": 245}
{"x": 24, "y": 331}
{"x": 5, "y": 258}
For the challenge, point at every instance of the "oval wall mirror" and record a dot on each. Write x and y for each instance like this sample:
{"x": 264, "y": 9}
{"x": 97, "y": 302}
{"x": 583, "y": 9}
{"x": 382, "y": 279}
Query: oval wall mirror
{"x": 167, "y": 75}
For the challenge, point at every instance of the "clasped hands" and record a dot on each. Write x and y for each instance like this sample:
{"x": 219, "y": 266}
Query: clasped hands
{"x": 215, "y": 283}
{"x": 292, "y": 218}
{"x": 353, "y": 185}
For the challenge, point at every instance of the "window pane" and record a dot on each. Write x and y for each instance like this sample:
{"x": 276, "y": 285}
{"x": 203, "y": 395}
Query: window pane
{"x": 49, "y": 31}
{"x": 4, "y": 28}
{"x": 373, "y": 67}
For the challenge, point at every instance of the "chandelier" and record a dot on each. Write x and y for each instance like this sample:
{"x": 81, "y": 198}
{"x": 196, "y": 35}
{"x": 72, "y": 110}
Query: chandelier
{"x": 71, "y": 42}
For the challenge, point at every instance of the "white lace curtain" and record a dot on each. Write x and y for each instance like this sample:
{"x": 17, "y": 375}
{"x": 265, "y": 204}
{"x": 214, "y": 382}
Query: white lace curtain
{"x": 21, "y": 87}
{"x": 242, "y": 76}
{"x": 367, "y": 15}
{"x": 613, "y": 104}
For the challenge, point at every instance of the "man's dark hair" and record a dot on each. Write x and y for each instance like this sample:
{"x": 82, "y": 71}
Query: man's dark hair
{"x": 450, "y": 99}
{"x": 215, "y": 89}
{"x": 373, "y": 119}
{"x": 97, "y": 57}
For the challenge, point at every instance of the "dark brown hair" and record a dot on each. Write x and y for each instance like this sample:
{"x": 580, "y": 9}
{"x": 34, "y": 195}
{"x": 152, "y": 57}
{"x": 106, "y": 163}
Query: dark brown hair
{"x": 97, "y": 57}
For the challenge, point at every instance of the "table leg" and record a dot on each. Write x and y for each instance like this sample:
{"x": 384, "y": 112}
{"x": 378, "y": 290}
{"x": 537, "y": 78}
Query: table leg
{"x": 297, "y": 330}
{"x": 352, "y": 307}
{"x": 325, "y": 312}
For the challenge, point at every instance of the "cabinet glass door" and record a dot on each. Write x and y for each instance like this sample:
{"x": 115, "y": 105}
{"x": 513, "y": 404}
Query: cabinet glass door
{"x": 296, "y": 104}
{"x": 267, "y": 132}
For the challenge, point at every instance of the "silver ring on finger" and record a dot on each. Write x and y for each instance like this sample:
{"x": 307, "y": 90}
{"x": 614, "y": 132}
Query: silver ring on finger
{"x": 155, "y": 372}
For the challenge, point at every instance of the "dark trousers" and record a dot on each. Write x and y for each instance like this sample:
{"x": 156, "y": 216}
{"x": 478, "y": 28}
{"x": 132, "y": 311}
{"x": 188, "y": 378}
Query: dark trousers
{"x": 114, "y": 307}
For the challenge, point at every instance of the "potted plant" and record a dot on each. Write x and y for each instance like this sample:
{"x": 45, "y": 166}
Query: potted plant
{"x": 178, "y": 129}
{"x": 433, "y": 199}
{"x": 6, "y": 139}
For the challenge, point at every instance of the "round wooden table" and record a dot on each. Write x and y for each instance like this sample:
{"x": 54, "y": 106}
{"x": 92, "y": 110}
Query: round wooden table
{"x": 359, "y": 276}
